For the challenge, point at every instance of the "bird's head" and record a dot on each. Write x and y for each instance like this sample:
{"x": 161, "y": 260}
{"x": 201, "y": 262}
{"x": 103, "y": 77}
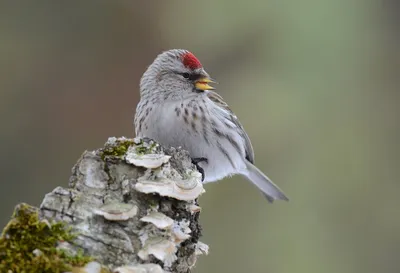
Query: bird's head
{"x": 175, "y": 74}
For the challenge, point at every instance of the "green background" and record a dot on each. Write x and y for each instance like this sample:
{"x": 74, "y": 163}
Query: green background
{"x": 315, "y": 84}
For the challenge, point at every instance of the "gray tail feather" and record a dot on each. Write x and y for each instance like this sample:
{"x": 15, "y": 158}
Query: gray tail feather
{"x": 262, "y": 182}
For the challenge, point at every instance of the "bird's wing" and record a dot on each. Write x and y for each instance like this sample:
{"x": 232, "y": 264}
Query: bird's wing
{"x": 217, "y": 99}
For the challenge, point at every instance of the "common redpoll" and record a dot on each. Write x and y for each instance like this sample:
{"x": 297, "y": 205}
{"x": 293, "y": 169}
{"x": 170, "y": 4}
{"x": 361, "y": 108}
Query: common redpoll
{"x": 178, "y": 108}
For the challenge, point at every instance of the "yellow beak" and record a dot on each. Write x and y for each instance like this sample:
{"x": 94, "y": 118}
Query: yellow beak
{"x": 203, "y": 84}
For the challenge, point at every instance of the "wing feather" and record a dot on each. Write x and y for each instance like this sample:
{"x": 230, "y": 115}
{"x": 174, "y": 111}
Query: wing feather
{"x": 217, "y": 99}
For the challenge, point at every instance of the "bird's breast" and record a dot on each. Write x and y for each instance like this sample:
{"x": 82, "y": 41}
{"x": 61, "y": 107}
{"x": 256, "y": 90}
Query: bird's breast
{"x": 193, "y": 125}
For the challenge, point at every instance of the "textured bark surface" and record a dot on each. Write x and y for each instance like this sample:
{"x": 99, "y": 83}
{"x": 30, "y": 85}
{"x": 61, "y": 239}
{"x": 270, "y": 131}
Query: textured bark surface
{"x": 105, "y": 185}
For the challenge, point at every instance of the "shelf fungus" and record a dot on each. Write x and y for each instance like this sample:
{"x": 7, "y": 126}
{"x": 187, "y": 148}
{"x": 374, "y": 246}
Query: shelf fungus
{"x": 162, "y": 236}
{"x": 193, "y": 208}
{"x": 167, "y": 182}
{"x": 117, "y": 211}
{"x": 162, "y": 249}
{"x": 158, "y": 219}
{"x": 147, "y": 154}
{"x": 201, "y": 248}
{"x": 150, "y": 161}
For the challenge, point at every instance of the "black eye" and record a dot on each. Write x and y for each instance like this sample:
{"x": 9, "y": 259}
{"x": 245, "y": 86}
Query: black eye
{"x": 191, "y": 76}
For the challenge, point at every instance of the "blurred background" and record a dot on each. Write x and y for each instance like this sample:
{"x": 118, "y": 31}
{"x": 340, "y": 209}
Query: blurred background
{"x": 315, "y": 84}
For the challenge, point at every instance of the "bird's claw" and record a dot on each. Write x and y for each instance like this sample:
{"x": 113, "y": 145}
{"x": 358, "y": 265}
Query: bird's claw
{"x": 196, "y": 162}
{"x": 199, "y": 159}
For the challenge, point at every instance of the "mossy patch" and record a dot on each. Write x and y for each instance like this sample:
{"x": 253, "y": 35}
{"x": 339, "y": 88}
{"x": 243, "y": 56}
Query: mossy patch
{"x": 28, "y": 244}
{"x": 117, "y": 149}
{"x": 145, "y": 147}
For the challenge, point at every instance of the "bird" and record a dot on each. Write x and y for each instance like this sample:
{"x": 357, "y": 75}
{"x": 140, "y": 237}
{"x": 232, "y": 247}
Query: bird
{"x": 178, "y": 107}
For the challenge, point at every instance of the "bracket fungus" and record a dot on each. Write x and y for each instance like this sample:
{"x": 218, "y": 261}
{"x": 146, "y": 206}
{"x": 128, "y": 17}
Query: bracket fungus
{"x": 158, "y": 219}
{"x": 162, "y": 236}
{"x": 194, "y": 208}
{"x": 150, "y": 161}
{"x": 161, "y": 182}
{"x": 117, "y": 211}
{"x": 164, "y": 250}
{"x": 201, "y": 248}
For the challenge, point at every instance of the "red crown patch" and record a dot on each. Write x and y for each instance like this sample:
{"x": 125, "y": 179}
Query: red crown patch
{"x": 190, "y": 61}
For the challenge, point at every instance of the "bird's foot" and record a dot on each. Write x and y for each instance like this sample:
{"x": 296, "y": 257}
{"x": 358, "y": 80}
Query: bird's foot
{"x": 196, "y": 162}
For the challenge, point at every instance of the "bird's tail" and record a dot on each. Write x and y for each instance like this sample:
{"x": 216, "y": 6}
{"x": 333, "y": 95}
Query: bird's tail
{"x": 263, "y": 183}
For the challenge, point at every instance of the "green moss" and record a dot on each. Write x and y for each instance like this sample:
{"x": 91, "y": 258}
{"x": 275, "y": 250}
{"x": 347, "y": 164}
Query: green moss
{"x": 117, "y": 150}
{"x": 29, "y": 245}
{"x": 121, "y": 145}
{"x": 141, "y": 149}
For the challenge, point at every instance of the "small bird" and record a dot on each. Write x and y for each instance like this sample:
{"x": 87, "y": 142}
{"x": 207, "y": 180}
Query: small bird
{"x": 178, "y": 108}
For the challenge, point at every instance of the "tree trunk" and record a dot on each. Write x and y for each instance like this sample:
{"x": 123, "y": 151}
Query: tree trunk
{"x": 132, "y": 206}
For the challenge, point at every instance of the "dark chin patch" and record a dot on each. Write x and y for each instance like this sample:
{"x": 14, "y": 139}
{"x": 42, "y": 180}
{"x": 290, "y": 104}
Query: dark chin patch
{"x": 197, "y": 90}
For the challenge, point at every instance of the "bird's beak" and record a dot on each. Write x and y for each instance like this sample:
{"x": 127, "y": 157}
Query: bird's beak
{"x": 203, "y": 84}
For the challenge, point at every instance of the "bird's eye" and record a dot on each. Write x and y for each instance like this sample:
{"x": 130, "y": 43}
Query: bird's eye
{"x": 191, "y": 76}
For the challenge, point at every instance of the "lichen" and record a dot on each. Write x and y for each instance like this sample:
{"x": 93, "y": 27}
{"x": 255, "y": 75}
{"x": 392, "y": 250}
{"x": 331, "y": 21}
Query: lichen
{"x": 28, "y": 244}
